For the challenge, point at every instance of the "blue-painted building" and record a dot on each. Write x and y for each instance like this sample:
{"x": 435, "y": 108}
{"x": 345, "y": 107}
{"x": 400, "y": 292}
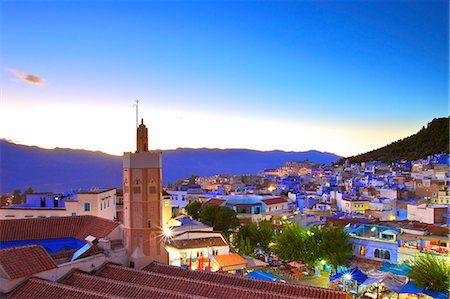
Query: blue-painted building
{"x": 374, "y": 242}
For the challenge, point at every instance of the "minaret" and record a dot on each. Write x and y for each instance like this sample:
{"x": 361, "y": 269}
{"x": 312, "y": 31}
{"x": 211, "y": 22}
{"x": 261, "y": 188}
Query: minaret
{"x": 142, "y": 203}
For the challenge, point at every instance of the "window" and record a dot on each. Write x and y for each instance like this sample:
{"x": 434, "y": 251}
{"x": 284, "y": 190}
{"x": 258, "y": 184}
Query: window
{"x": 387, "y": 237}
{"x": 108, "y": 203}
{"x": 152, "y": 189}
{"x": 362, "y": 250}
{"x": 149, "y": 223}
{"x": 74, "y": 214}
{"x": 87, "y": 207}
{"x": 215, "y": 252}
{"x": 137, "y": 190}
{"x": 42, "y": 202}
{"x": 382, "y": 254}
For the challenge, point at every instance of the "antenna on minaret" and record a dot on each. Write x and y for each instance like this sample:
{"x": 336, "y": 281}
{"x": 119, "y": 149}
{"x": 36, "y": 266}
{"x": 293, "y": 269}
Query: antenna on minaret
{"x": 137, "y": 112}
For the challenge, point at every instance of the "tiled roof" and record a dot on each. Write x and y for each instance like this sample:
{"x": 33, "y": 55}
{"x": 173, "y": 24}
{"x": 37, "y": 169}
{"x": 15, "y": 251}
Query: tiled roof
{"x": 122, "y": 289}
{"x": 285, "y": 289}
{"x": 231, "y": 259}
{"x": 55, "y": 227}
{"x": 273, "y": 201}
{"x": 216, "y": 201}
{"x": 197, "y": 243}
{"x": 189, "y": 285}
{"x": 36, "y": 288}
{"x": 25, "y": 260}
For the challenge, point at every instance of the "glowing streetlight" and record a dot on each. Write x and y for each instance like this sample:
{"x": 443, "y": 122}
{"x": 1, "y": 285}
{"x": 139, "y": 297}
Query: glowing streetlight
{"x": 168, "y": 232}
{"x": 347, "y": 276}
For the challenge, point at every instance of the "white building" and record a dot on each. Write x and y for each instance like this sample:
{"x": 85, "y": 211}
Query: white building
{"x": 431, "y": 213}
{"x": 99, "y": 203}
{"x": 189, "y": 246}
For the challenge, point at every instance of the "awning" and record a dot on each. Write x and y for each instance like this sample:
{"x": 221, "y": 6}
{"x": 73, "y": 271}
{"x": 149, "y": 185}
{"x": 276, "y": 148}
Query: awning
{"x": 262, "y": 275}
{"x": 390, "y": 281}
{"x": 355, "y": 273}
{"x": 296, "y": 265}
{"x": 396, "y": 269}
{"x": 411, "y": 288}
{"x": 437, "y": 295}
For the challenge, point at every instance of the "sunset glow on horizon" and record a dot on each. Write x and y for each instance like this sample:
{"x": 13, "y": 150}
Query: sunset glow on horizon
{"x": 341, "y": 77}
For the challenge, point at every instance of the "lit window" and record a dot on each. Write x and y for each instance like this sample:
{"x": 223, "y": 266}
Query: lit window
{"x": 362, "y": 250}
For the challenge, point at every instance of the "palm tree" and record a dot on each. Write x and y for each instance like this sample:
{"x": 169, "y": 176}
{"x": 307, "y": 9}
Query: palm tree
{"x": 431, "y": 271}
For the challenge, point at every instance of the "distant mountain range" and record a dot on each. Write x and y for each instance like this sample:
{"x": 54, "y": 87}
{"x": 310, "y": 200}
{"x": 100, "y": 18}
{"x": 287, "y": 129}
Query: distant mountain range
{"x": 60, "y": 169}
{"x": 433, "y": 139}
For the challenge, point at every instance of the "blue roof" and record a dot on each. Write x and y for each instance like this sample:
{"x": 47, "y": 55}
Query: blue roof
{"x": 402, "y": 269}
{"x": 357, "y": 275}
{"x": 411, "y": 288}
{"x": 262, "y": 275}
{"x": 188, "y": 221}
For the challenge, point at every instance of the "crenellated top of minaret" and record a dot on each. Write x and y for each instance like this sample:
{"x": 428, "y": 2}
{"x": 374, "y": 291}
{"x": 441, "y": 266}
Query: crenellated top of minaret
{"x": 142, "y": 138}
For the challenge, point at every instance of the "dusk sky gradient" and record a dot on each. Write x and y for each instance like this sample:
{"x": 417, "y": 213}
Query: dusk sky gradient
{"x": 338, "y": 76}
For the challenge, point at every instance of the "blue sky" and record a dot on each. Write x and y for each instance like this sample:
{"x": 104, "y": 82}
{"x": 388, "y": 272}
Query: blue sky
{"x": 337, "y": 76}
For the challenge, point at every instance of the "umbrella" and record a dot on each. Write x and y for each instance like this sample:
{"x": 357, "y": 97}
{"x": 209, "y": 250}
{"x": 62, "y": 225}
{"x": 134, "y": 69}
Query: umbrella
{"x": 295, "y": 264}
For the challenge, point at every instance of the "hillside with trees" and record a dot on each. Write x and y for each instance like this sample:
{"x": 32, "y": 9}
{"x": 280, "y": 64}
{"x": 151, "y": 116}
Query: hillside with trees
{"x": 433, "y": 139}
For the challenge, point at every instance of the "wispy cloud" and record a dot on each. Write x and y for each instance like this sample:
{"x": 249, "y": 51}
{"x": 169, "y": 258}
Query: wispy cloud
{"x": 28, "y": 78}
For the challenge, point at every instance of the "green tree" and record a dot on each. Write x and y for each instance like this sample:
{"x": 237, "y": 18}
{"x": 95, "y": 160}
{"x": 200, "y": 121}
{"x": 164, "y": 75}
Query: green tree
{"x": 265, "y": 234}
{"x": 296, "y": 243}
{"x": 254, "y": 234}
{"x": 333, "y": 245}
{"x": 431, "y": 271}
{"x": 193, "y": 209}
{"x": 330, "y": 243}
{"x": 244, "y": 240}
{"x": 219, "y": 217}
